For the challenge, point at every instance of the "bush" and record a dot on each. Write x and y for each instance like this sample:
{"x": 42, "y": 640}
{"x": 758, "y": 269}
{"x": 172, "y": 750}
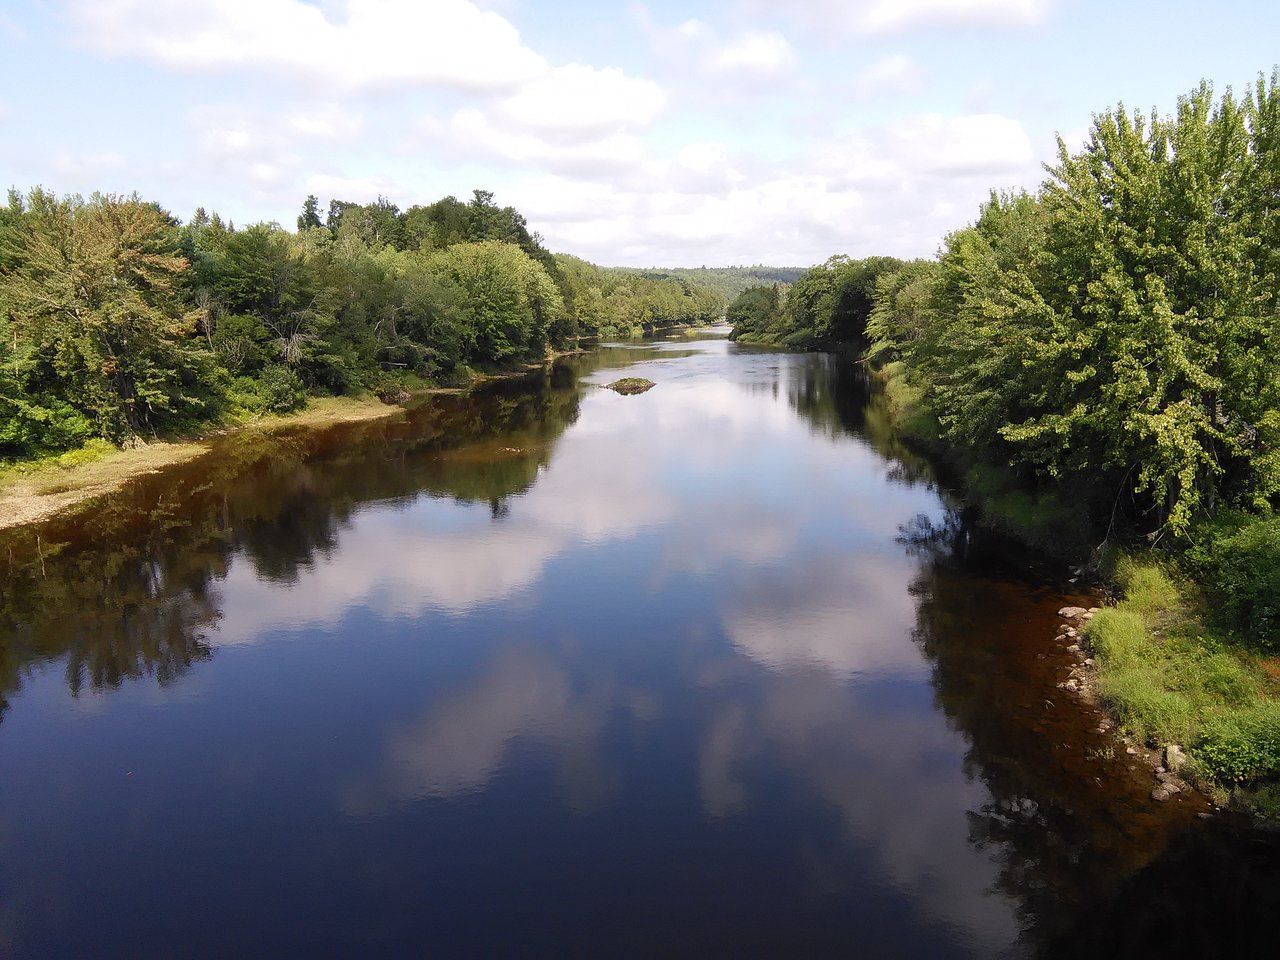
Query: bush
{"x": 29, "y": 428}
{"x": 1238, "y": 559}
{"x": 1242, "y": 745}
{"x": 277, "y": 389}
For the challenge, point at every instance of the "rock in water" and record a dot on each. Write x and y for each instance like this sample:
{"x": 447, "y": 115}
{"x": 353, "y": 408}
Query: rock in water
{"x": 630, "y": 385}
{"x": 1072, "y": 613}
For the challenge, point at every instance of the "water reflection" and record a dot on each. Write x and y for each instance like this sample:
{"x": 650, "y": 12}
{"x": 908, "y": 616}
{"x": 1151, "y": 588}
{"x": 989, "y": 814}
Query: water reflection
{"x": 459, "y": 744}
{"x": 721, "y": 657}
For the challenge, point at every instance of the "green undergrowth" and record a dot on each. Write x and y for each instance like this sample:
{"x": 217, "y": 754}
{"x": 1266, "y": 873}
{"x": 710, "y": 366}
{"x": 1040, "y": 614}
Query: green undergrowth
{"x": 1170, "y": 678}
{"x": 90, "y": 451}
{"x": 1053, "y": 519}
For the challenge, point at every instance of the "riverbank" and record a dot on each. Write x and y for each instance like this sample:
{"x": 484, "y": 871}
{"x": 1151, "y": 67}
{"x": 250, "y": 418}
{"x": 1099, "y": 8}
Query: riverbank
{"x": 38, "y": 490}
{"x": 1201, "y": 709}
{"x": 30, "y": 493}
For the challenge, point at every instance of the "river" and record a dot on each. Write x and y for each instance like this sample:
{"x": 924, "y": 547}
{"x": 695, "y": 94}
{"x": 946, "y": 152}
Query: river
{"x": 717, "y": 670}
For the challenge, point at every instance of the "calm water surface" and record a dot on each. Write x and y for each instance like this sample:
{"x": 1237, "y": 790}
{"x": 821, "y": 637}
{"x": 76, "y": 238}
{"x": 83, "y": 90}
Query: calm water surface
{"x": 714, "y": 670}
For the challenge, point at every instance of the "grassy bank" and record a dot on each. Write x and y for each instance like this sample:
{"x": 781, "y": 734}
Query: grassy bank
{"x": 1171, "y": 677}
{"x": 36, "y": 490}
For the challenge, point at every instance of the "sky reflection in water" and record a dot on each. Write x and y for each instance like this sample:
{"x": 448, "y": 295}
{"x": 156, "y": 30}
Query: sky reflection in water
{"x": 614, "y": 675}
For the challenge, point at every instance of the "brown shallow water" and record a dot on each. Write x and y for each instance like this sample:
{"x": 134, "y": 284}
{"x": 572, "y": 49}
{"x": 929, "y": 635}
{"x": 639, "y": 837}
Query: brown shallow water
{"x": 719, "y": 669}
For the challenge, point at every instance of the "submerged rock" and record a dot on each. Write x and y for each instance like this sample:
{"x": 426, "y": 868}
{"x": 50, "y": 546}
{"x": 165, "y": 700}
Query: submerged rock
{"x": 631, "y": 385}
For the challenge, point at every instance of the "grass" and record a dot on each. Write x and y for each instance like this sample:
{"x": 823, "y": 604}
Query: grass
{"x": 1171, "y": 681}
{"x": 37, "y": 490}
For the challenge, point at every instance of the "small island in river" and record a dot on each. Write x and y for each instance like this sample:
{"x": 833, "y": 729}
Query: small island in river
{"x": 628, "y": 386}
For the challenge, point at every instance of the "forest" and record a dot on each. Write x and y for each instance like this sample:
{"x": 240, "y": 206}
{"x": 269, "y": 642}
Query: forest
{"x": 120, "y": 322}
{"x": 1100, "y": 362}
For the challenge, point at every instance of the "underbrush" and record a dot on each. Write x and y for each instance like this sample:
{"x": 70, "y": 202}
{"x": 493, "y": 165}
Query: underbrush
{"x": 1170, "y": 679}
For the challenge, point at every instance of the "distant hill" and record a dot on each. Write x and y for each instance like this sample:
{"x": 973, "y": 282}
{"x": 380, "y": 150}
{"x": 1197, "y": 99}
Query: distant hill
{"x": 727, "y": 281}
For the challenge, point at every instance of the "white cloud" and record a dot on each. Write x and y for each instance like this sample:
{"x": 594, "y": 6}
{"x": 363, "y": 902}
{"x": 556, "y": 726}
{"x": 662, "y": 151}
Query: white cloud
{"x": 979, "y": 144}
{"x": 897, "y": 73}
{"x": 576, "y": 102}
{"x": 894, "y": 16}
{"x": 895, "y": 189}
{"x": 372, "y": 43}
{"x": 762, "y": 54}
{"x": 745, "y": 54}
{"x": 266, "y": 152}
{"x": 331, "y": 122}
{"x": 882, "y": 16}
{"x": 475, "y": 133}
{"x": 576, "y": 119}
{"x": 87, "y": 165}
{"x": 354, "y": 189}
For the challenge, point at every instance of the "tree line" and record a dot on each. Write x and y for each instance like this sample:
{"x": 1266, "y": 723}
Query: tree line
{"x": 1100, "y": 360}
{"x": 1115, "y": 331}
{"x": 119, "y": 321}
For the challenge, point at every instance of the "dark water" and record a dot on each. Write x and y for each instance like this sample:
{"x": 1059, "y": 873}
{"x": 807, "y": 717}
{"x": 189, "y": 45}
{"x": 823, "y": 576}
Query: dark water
{"x": 716, "y": 670}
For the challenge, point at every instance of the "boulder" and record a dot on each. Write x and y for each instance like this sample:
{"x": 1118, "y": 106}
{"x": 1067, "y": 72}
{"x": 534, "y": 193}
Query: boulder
{"x": 1072, "y": 613}
{"x": 1174, "y": 757}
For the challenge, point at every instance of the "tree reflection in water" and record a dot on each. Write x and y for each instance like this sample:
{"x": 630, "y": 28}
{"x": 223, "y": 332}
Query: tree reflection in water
{"x": 127, "y": 588}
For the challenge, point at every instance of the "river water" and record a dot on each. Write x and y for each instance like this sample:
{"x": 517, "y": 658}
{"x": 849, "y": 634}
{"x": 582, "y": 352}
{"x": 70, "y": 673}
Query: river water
{"x": 715, "y": 670}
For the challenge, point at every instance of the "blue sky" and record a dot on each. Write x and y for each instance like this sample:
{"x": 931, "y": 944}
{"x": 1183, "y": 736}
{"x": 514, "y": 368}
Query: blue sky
{"x": 647, "y": 133}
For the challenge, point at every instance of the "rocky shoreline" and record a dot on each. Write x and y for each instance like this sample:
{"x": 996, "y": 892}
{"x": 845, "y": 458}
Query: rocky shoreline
{"x": 1082, "y": 681}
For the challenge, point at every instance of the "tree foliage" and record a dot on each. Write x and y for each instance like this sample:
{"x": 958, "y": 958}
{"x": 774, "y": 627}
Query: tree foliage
{"x": 1122, "y": 323}
{"x": 117, "y": 321}
{"x": 826, "y": 306}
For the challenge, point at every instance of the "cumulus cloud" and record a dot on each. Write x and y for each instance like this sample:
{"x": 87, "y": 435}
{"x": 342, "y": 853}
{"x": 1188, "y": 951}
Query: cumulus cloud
{"x": 366, "y": 44}
{"x": 577, "y": 102}
{"x": 897, "y": 73}
{"x": 266, "y": 151}
{"x": 743, "y": 54}
{"x": 871, "y": 17}
{"x": 85, "y": 165}
{"x": 897, "y": 188}
{"x": 764, "y": 53}
{"x": 354, "y": 189}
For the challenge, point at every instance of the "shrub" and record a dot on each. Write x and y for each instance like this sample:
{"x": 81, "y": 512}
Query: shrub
{"x": 28, "y": 428}
{"x": 1244, "y": 744}
{"x": 277, "y": 389}
{"x": 1238, "y": 559}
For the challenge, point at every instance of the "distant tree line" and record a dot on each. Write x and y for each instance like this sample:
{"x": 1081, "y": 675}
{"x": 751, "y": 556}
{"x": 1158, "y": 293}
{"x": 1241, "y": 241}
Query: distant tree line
{"x": 118, "y": 321}
{"x": 824, "y": 307}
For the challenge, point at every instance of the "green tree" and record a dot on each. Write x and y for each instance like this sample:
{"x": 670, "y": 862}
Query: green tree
{"x": 310, "y": 216}
{"x": 90, "y": 292}
{"x": 507, "y": 301}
